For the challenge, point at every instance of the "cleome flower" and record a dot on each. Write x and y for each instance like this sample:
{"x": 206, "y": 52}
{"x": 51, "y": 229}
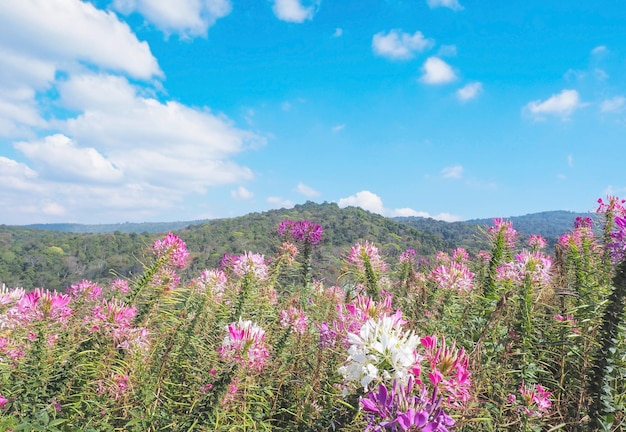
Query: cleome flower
{"x": 250, "y": 263}
{"x": 381, "y": 352}
{"x": 173, "y": 248}
{"x": 245, "y": 345}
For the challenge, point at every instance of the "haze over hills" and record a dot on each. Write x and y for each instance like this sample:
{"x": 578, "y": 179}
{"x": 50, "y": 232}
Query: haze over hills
{"x": 56, "y": 256}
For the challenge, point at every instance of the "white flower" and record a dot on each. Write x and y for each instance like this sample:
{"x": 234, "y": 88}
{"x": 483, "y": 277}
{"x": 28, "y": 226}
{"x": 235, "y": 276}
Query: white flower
{"x": 381, "y": 351}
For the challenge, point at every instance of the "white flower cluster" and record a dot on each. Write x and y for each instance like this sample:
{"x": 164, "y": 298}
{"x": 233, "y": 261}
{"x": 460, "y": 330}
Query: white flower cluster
{"x": 381, "y": 351}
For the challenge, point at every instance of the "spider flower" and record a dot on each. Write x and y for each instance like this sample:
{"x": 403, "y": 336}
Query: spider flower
{"x": 245, "y": 345}
{"x": 173, "y": 248}
{"x": 381, "y": 352}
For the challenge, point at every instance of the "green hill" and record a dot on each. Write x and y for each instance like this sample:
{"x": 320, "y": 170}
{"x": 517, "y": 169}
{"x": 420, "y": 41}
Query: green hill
{"x": 54, "y": 259}
{"x": 49, "y": 256}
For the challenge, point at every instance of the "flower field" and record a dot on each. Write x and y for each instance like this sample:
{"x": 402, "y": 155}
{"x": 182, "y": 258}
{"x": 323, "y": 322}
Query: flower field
{"x": 513, "y": 338}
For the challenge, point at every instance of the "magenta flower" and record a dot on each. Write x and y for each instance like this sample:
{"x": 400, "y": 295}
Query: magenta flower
{"x": 449, "y": 370}
{"x": 535, "y": 398}
{"x": 245, "y": 345}
{"x": 617, "y": 246}
{"x": 453, "y": 276}
{"x": 41, "y": 304}
{"x": 247, "y": 263}
{"x": 407, "y": 256}
{"x": 361, "y": 252}
{"x": 121, "y": 286}
{"x": 212, "y": 282}
{"x": 536, "y": 242}
{"x": 173, "y": 248}
{"x": 302, "y": 231}
{"x": 295, "y": 319}
{"x": 505, "y": 229}
{"x": 3, "y": 401}
{"x": 404, "y": 408}
{"x": 115, "y": 387}
{"x": 87, "y": 289}
{"x": 615, "y": 206}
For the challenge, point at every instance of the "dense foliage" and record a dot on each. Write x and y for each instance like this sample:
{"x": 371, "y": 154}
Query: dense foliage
{"x": 509, "y": 338}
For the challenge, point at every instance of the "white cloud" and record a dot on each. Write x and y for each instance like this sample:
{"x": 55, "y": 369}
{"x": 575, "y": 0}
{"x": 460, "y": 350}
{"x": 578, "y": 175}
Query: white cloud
{"x": 338, "y": 127}
{"x": 452, "y": 172}
{"x": 600, "y": 49}
{"x": 614, "y": 104}
{"x": 338, "y": 32}
{"x": 570, "y": 160}
{"x": 364, "y": 199}
{"x": 188, "y": 18}
{"x": 172, "y": 145}
{"x": 278, "y": 202}
{"x": 306, "y": 190}
{"x": 122, "y": 152}
{"x": 113, "y": 147}
{"x": 371, "y": 202}
{"x": 436, "y": 71}
{"x": 562, "y": 105}
{"x": 398, "y": 45}
{"x": 469, "y": 91}
{"x": 450, "y": 4}
{"x": 72, "y": 31}
{"x": 54, "y": 153}
{"x": 241, "y": 193}
{"x": 63, "y": 36}
{"x": 293, "y": 10}
{"x": 15, "y": 176}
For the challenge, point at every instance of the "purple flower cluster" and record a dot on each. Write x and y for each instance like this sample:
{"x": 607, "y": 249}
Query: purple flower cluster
{"x": 302, "y": 231}
{"x": 617, "y": 247}
{"x": 399, "y": 409}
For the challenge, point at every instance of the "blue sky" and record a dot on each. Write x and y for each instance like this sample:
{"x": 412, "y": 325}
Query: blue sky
{"x": 153, "y": 110}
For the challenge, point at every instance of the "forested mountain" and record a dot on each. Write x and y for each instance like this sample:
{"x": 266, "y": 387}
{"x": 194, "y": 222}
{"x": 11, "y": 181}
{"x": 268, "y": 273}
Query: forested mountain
{"x": 55, "y": 259}
{"x": 469, "y": 234}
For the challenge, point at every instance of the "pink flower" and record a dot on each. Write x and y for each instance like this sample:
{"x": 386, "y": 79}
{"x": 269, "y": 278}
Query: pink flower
{"x": 211, "y": 281}
{"x": 454, "y": 276}
{"x": 173, "y": 248}
{"x": 505, "y": 229}
{"x": 361, "y": 252}
{"x": 407, "y": 256}
{"x": 536, "y": 242}
{"x": 245, "y": 344}
{"x": 250, "y": 263}
{"x": 86, "y": 289}
{"x": 121, "y": 286}
{"x": 3, "y": 401}
{"x": 41, "y": 304}
{"x": 288, "y": 251}
{"x": 294, "y": 318}
{"x": 536, "y": 265}
{"x": 536, "y": 400}
{"x": 449, "y": 370}
{"x": 304, "y": 231}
